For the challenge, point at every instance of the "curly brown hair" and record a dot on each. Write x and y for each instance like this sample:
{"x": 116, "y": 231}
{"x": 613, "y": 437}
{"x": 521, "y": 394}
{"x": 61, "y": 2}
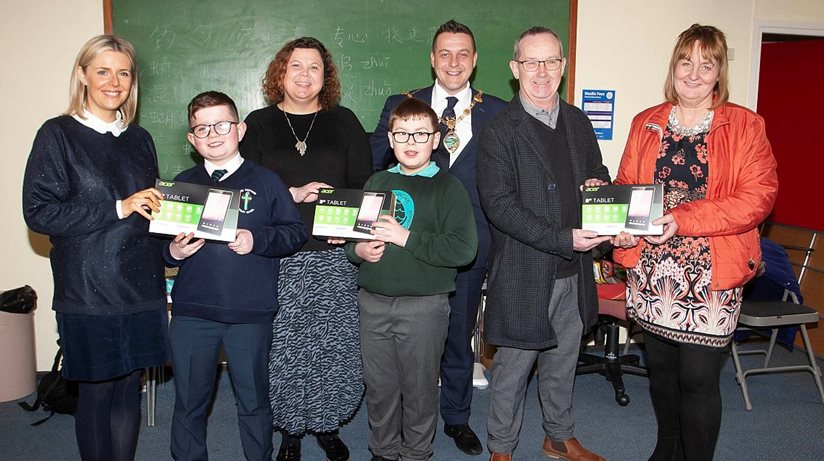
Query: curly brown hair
{"x": 273, "y": 80}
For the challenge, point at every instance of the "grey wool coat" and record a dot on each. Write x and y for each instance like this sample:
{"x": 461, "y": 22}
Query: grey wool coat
{"x": 519, "y": 195}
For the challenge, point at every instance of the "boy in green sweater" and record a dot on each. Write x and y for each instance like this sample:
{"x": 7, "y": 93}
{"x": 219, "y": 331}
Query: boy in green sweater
{"x": 406, "y": 275}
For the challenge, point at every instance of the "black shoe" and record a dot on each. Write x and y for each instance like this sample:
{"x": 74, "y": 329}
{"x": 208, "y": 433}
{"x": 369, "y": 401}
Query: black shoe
{"x": 334, "y": 447}
{"x": 289, "y": 450}
{"x": 465, "y": 439}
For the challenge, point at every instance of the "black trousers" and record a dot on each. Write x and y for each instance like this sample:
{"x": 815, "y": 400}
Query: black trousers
{"x": 458, "y": 361}
{"x": 684, "y": 385}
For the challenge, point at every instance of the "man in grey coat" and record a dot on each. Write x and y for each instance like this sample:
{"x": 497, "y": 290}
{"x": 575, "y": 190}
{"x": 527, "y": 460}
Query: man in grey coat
{"x": 532, "y": 160}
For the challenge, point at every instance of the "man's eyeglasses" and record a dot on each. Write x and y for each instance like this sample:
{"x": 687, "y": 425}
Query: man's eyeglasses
{"x": 420, "y": 137}
{"x": 221, "y": 128}
{"x": 550, "y": 64}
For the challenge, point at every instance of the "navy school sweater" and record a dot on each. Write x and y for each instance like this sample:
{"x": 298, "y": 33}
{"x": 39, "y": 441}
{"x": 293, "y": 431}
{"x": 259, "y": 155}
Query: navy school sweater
{"x": 218, "y": 284}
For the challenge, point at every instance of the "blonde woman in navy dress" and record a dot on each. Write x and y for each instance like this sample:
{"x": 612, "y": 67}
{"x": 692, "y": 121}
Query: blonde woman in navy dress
{"x": 88, "y": 186}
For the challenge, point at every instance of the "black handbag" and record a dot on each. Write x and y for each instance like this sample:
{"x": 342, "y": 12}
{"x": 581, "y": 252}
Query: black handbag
{"x": 55, "y": 393}
{"x": 18, "y": 301}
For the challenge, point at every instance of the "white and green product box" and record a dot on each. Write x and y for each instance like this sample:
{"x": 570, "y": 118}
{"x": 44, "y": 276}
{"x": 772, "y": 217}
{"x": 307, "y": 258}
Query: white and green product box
{"x": 349, "y": 213}
{"x": 611, "y": 209}
{"x": 210, "y": 212}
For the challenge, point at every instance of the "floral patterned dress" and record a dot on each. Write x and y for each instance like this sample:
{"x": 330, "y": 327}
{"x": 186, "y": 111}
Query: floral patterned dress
{"x": 669, "y": 292}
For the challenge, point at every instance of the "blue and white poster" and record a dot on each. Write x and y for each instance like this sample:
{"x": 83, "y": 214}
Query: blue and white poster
{"x": 599, "y": 105}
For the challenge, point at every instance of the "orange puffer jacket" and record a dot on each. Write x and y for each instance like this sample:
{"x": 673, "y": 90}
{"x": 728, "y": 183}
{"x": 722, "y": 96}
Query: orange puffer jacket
{"x": 741, "y": 188}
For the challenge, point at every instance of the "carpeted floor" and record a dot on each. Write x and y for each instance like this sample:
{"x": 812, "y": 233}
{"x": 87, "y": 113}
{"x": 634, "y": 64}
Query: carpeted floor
{"x": 786, "y": 423}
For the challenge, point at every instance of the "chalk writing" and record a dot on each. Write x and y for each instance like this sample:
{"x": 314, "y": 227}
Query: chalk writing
{"x": 163, "y": 37}
{"x": 415, "y": 35}
{"x": 348, "y": 98}
{"x": 160, "y": 67}
{"x": 341, "y": 35}
{"x": 375, "y": 63}
{"x": 202, "y": 33}
{"x": 345, "y": 62}
{"x": 392, "y": 35}
{"x": 157, "y": 93}
{"x": 170, "y": 119}
{"x": 372, "y": 89}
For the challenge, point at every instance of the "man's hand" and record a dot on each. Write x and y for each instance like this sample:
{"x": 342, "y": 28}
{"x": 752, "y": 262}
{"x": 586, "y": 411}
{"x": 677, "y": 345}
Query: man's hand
{"x": 592, "y": 182}
{"x": 585, "y": 240}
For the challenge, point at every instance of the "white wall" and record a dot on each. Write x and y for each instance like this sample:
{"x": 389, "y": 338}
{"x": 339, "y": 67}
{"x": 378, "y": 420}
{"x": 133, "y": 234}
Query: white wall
{"x": 40, "y": 41}
{"x": 625, "y": 45}
{"x": 622, "y": 45}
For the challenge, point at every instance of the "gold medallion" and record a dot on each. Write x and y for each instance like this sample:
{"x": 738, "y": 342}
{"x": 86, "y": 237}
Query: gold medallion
{"x": 451, "y": 141}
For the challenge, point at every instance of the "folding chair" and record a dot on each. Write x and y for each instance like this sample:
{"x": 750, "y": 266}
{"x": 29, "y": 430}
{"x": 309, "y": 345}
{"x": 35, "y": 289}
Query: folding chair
{"x": 774, "y": 315}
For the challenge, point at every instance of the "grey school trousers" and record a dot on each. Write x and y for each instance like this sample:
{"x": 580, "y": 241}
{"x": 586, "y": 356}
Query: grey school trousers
{"x": 511, "y": 368}
{"x": 402, "y": 340}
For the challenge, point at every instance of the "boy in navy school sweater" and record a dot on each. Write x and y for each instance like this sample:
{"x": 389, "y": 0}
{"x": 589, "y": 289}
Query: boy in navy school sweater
{"x": 227, "y": 294}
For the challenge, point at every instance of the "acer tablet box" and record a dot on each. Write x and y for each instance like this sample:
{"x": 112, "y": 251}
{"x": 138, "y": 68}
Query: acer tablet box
{"x": 210, "y": 212}
{"x": 611, "y": 209}
{"x": 349, "y": 213}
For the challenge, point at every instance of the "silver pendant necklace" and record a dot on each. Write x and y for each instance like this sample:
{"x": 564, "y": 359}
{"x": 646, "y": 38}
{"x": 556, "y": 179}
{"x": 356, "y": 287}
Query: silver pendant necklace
{"x": 300, "y": 145}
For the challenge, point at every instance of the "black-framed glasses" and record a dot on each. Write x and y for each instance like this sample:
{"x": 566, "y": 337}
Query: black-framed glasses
{"x": 419, "y": 137}
{"x": 549, "y": 64}
{"x": 221, "y": 128}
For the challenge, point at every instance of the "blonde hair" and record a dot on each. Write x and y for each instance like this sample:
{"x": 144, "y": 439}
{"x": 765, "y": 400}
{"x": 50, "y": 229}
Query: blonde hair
{"x": 92, "y": 49}
{"x": 713, "y": 45}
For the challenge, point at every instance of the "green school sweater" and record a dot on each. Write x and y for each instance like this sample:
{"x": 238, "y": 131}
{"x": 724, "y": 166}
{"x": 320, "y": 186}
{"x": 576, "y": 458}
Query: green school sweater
{"x": 442, "y": 236}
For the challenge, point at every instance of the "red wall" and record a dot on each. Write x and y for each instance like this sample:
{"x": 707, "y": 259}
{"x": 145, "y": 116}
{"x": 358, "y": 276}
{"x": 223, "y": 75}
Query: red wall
{"x": 791, "y": 100}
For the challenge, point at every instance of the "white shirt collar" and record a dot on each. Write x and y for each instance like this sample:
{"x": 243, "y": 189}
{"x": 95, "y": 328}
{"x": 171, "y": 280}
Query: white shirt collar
{"x": 94, "y": 122}
{"x": 231, "y": 166}
{"x": 439, "y": 95}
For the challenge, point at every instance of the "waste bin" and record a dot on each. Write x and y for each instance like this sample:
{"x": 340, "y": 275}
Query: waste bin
{"x": 18, "y": 370}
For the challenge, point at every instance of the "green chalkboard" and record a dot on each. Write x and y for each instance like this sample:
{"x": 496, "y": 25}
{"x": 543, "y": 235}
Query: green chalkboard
{"x": 185, "y": 47}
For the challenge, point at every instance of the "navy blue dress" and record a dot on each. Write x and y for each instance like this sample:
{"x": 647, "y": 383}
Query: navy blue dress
{"x": 109, "y": 287}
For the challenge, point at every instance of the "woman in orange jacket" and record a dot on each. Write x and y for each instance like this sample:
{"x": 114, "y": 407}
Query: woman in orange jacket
{"x": 684, "y": 287}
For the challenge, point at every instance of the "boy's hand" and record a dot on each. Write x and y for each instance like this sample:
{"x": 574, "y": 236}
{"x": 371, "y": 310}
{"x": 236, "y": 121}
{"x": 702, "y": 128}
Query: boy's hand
{"x": 370, "y": 252}
{"x": 388, "y": 230}
{"x": 243, "y": 242}
{"x": 308, "y": 192}
{"x": 142, "y": 202}
{"x": 182, "y": 247}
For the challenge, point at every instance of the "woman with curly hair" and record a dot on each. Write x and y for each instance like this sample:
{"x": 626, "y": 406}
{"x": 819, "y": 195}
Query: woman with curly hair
{"x": 311, "y": 142}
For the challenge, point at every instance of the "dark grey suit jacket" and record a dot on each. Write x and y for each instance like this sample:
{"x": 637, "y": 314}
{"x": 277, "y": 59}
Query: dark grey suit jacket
{"x": 518, "y": 192}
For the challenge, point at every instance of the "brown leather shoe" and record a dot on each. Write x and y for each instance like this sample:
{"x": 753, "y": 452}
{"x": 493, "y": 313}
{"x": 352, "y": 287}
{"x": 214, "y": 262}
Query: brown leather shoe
{"x": 569, "y": 450}
{"x": 500, "y": 457}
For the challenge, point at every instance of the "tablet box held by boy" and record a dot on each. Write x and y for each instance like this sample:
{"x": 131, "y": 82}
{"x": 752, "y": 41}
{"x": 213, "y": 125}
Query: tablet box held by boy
{"x": 349, "y": 213}
{"x": 210, "y": 212}
{"x": 611, "y": 209}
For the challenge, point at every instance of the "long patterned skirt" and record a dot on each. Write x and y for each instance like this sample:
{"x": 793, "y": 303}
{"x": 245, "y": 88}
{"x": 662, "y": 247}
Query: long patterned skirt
{"x": 315, "y": 370}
